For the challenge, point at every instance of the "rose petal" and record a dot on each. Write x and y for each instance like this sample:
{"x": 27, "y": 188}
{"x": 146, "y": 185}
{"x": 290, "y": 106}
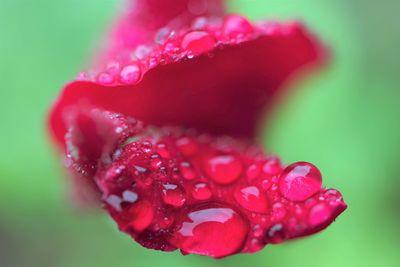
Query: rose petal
{"x": 223, "y": 89}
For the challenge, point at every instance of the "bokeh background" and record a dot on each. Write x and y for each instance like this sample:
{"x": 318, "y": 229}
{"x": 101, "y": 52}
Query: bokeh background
{"x": 345, "y": 119}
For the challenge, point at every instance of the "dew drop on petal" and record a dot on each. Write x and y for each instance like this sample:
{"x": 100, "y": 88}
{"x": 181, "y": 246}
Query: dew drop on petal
{"x": 212, "y": 230}
{"x": 105, "y": 78}
{"x": 236, "y": 25}
{"x": 162, "y": 150}
{"x": 162, "y": 35}
{"x": 198, "y": 42}
{"x": 173, "y": 195}
{"x": 156, "y": 163}
{"x": 142, "y": 52}
{"x": 300, "y": 181}
{"x": 265, "y": 184}
{"x": 130, "y": 74}
{"x": 114, "y": 201}
{"x": 187, "y": 171}
{"x": 253, "y": 171}
{"x": 201, "y": 191}
{"x": 187, "y": 146}
{"x": 252, "y": 199}
{"x": 257, "y": 230}
{"x": 199, "y": 23}
{"x": 278, "y": 212}
{"x": 223, "y": 169}
{"x": 275, "y": 234}
{"x": 272, "y": 166}
{"x": 129, "y": 196}
{"x": 319, "y": 214}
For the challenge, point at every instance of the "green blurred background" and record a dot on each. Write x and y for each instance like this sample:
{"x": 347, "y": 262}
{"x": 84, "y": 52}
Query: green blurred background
{"x": 345, "y": 120}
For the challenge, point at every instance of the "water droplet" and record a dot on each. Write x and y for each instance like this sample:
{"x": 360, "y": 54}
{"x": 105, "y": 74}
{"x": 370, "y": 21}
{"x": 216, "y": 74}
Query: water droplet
{"x": 173, "y": 195}
{"x": 187, "y": 146}
{"x": 278, "y": 212}
{"x": 198, "y": 42}
{"x": 276, "y": 234}
{"x": 199, "y": 23}
{"x": 253, "y": 171}
{"x": 236, "y": 25}
{"x": 105, "y": 78}
{"x": 82, "y": 76}
{"x": 156, "y": 162}
{"x": 201, "y": 191}
{"x": 142, "y": 52}
{"x": 147, "y": 146}
{"x": 140, "y": 169}
{"x": 129, "y": 196}
{"x": 252, "y": 199}
{"x": 257, "y": 230}
{"x": 223, "y": 169}
{"x": 213, "y": 230}
{"x": 170, "y": 47}
{"x": 300, "y": 181}
{"x": 152, "y": 62}
{"x": 319, "y": 215}
{"x": 265, "y": 184}
{"x": 113, "y": 68}
{"x": 166, "y": 222}
{"x": 162, "y": 35}
{"x": 114, "y": 201}
{"x": 130, "y": 74}
{"x": 163, "y": 151}
{"x": 187, "y": 171}
{"x": 272, "y": 166}
{"x": 139, "y": 216}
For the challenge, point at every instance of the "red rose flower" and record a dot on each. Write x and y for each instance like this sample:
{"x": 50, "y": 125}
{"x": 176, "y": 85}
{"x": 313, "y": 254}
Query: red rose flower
{"x": 162, "y": 130}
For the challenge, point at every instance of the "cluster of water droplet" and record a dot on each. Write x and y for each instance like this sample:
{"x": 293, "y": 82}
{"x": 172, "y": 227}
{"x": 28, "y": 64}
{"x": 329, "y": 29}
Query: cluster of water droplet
{"x": 204, "y": 37}
{"x": 169, "y": 188}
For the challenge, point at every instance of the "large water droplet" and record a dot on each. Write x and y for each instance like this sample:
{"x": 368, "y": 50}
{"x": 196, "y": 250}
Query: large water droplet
{"x": 214, "y": 230}
{"x": 198, "y": 42}
{"x": 223, "y": 169}
{"x": 173, "y": 195}
{"x": 201, "y": 191}
{"x": 252, "y": 199}
{"x": 300, "y": 181}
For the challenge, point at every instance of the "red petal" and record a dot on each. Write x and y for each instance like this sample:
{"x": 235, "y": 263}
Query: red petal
{"x": 143, "y": 18}
{"x": 148, "y": 192}
{"x": 204, "y": 79}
